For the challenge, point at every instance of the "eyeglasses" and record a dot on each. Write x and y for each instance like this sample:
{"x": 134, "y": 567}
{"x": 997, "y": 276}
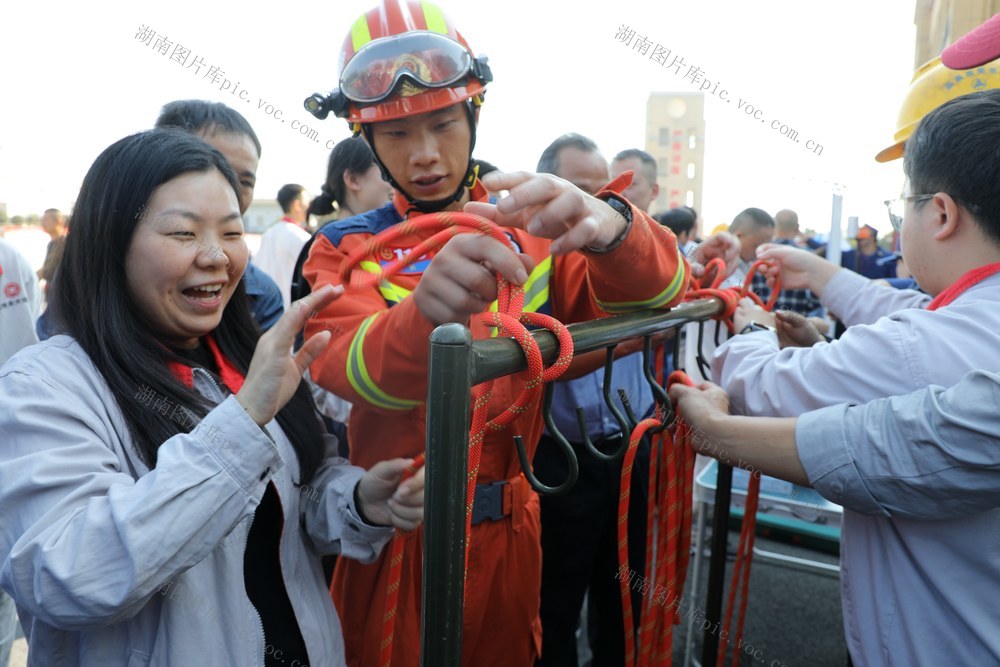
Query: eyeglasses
{"x": 897, "y": 208}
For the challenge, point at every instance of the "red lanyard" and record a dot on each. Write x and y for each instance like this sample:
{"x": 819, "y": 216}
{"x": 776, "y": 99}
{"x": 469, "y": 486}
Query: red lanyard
{"x": 971, "y": 278}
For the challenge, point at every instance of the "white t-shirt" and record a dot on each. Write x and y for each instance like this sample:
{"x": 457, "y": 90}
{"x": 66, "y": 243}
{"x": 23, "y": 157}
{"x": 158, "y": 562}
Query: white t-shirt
{"x": 19, "y": 301}
{"x": 279, "y": 249}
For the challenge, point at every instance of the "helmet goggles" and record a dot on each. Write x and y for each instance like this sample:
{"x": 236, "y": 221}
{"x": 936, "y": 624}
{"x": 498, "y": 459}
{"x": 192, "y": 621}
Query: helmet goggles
{"x": 427, "y": 59}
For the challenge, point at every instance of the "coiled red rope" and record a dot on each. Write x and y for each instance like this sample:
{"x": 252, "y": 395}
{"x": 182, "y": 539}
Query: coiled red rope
{"x": 671, "y": 484}
{"x": 510, "y": 319}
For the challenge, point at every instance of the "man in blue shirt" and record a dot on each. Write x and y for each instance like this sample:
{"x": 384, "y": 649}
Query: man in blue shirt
{"x": 579, "y": 529}
{"x": 869, "y": 259}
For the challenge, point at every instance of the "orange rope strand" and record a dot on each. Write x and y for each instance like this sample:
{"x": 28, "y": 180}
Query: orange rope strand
{"x": 671, "y": 484}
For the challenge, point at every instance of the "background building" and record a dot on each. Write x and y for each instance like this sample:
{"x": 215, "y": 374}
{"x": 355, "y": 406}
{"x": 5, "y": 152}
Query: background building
{"x": 675, "y": 137}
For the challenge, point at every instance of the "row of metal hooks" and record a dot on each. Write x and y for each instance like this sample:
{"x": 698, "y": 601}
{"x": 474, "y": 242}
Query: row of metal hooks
{"x": 626, "y": 420}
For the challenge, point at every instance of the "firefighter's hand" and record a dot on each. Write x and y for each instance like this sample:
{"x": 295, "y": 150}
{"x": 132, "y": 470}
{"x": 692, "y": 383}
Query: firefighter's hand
{"x": 461, "y": 279}
{"x": 550, "y": 207}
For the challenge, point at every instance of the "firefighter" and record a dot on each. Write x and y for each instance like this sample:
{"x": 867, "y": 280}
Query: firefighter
{"x": 412, "y": 87}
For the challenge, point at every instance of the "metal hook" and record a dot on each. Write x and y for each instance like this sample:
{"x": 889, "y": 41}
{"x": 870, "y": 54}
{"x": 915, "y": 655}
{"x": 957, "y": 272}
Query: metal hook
{"x": 659, "y": 393}
{"x": 627, "y": 405}
{"x": 628, "y": 408}
{"x": 677, "y": 349}
{"x": 703, "y": 366}
{"x": 609, "y": 361}
{"x": 571, "y": 461}
{"x": 625, "y": 426}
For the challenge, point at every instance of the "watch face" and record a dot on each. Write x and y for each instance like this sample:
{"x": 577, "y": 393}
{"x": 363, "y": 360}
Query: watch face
{"x": 755, "y": 326}
{"x": 617, "y": 204}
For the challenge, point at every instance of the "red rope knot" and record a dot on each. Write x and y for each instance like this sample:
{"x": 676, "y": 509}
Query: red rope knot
{"x": 708, "y": 286}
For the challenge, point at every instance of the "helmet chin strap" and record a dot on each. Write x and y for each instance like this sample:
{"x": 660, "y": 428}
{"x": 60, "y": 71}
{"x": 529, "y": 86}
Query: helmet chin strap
{"x": 435, "y": 205}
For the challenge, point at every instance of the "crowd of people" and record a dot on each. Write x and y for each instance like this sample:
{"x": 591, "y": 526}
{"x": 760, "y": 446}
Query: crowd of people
{"x": 205, "y": 454}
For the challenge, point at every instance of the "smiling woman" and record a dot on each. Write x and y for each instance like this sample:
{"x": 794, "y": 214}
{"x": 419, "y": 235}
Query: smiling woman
{"x": 155, "y": 452}
{"x": 193, "y": 222}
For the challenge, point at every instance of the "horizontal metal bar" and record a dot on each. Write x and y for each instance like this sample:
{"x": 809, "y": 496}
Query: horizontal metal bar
{"x": 496, "y": 357}
{"x": 805, "y": 562}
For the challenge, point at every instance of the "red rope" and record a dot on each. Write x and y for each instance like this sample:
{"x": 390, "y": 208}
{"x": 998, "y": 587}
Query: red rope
{"x": 623, "y": 500}
{"x": 509, "y": 320}
{"x": 395, "y": 573}
{"x": 671, "y": 484}
{"x": 740, "y": 582}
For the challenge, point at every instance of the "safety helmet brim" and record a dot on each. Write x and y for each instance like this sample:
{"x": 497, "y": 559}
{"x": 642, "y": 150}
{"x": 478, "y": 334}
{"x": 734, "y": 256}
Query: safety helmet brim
{"x": 891, "y": 153}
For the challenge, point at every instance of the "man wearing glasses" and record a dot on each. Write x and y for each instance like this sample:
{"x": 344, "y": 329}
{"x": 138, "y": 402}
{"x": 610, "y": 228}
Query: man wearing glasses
{"x": 951, "y": 244}
{"x": 919, "y": 574}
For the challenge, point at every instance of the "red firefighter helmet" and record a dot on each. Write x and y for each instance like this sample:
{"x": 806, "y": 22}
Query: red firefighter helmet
{"x": 401, "y": 59}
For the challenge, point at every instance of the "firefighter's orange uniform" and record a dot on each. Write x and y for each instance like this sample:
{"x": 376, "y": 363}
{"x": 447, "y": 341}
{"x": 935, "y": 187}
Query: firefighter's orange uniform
{"x": 399, "y": 60}
{"x": 378, "y": 360}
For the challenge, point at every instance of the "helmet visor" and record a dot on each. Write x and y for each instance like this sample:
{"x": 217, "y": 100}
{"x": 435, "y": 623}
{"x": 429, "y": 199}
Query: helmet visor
{"x": 428, "y": 59}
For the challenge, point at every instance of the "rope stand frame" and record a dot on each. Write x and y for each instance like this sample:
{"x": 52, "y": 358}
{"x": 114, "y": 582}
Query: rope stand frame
{"x": 456, "y": 365}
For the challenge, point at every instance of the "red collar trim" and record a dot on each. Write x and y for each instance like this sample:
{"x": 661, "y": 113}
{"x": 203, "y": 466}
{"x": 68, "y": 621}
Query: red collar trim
{"x": 231, "y": 377}
{"x": 971, "y": 278}
{"x": 403, "y": 208}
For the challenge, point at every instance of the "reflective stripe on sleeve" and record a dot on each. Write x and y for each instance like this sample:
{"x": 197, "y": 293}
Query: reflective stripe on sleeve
{"x": 357, "y": 374}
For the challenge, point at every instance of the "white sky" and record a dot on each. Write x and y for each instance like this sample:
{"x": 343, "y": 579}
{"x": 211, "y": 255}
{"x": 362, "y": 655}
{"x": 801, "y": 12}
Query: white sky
{"x": 75, "y": 79}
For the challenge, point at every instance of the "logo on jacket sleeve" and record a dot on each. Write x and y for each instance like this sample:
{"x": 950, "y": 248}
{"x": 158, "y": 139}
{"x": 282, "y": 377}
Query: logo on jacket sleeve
{"x": 388, "y": 255}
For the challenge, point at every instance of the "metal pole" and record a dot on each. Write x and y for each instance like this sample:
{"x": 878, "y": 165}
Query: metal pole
{"x": 834, "y": 241}
{"x": 717, "y": 566}
{"x": 833, "y": 245}
{"x": 448, "y": 403}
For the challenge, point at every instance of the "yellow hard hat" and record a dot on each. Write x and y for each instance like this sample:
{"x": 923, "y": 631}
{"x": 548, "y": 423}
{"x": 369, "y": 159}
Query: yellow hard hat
{"x": 934, "y": 84}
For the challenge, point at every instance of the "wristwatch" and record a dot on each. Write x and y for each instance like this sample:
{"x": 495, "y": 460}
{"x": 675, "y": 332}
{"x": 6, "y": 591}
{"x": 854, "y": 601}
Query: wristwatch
{"x": 622, "y": 209}
{"x": 756, "y": 326}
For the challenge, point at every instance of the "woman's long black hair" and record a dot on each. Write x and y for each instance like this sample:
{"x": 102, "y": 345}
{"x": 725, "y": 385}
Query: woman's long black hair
{"x": 90, "y": 299}
{"x": 349, "y": 155}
